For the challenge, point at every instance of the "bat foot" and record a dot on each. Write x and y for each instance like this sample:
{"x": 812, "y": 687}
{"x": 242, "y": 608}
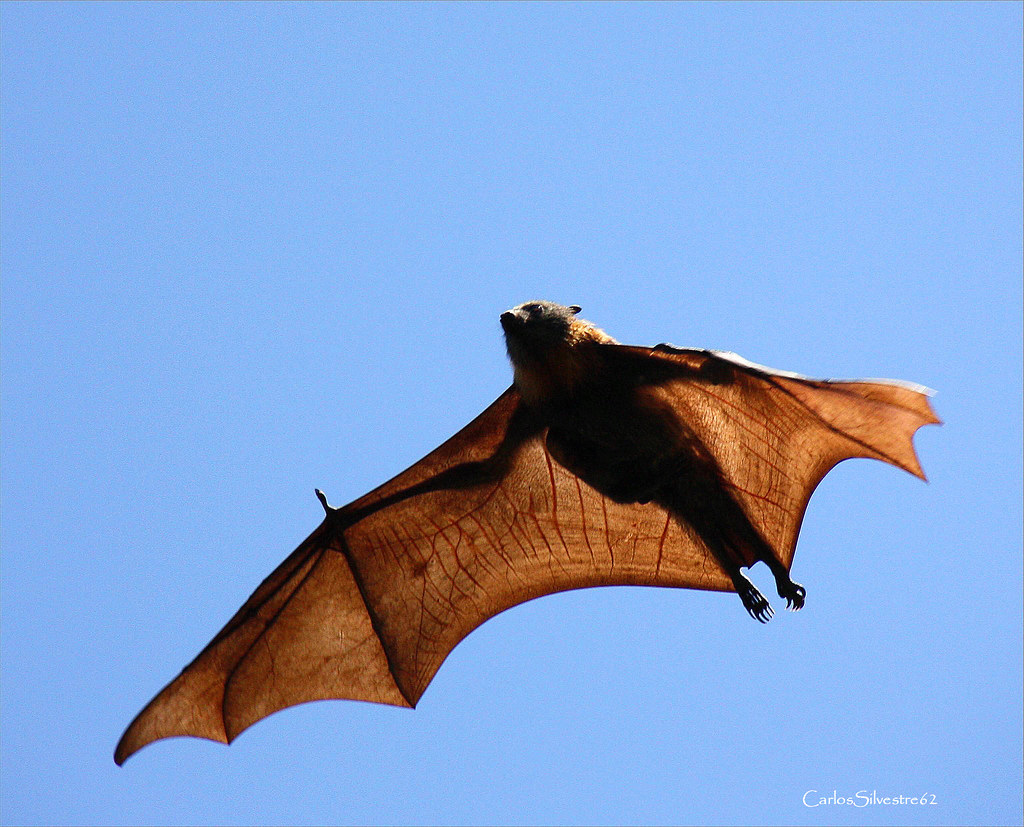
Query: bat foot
{"x": 794, "y": 594}
{"x": 755, "y": 603}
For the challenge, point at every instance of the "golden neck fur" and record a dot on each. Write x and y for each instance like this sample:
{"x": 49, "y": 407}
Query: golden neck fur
{"x": 563, "y": 367}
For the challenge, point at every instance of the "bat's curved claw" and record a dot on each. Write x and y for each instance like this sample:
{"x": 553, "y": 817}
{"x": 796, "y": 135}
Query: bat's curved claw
{"x": 794, "y": 594}
{"x": 755, "y": 603}
{"x": 323, "y": 501}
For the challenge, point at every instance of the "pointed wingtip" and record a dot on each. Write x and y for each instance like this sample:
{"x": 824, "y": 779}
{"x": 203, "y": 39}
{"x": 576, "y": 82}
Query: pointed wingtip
{"x": 127, "y": 748}
{"x": 929, "y": 417}
{"x": 928, "y": 413}
{"x": 131, "y": 741}
{"x": 174, "y": 712}
{"x": 158, "y": 720}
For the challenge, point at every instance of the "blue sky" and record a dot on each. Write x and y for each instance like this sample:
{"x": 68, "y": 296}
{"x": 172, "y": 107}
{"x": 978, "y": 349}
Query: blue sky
{"x": 253, "y": 249}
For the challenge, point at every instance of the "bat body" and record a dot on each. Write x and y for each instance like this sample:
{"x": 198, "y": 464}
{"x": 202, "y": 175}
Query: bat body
{"x": 603, "y": 464}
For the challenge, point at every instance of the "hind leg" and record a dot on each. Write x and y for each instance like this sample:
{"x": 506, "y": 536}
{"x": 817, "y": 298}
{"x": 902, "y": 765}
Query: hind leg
{"x": 793, "y": 593}
{"x": 700, "y": 501}
{"x": 754, "y": 602}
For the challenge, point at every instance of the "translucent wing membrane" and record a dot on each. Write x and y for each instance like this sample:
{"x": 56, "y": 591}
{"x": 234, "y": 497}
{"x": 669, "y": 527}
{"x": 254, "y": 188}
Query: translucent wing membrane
{"x": 370, "y": 605}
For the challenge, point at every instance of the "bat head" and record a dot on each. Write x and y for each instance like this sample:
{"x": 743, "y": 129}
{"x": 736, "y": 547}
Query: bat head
{"x": 548, "y": 347}
{"x": 534, "y": 329}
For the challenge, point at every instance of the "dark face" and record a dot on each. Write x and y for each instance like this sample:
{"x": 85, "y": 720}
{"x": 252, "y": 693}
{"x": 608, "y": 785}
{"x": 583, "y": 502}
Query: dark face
{"x": 534, "y": 327}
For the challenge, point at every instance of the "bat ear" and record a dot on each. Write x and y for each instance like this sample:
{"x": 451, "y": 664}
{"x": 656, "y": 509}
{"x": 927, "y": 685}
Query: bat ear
{"x": 574, "y": 309}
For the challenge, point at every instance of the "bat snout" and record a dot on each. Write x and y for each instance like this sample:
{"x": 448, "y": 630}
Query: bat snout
{"x": 510, "y": 320}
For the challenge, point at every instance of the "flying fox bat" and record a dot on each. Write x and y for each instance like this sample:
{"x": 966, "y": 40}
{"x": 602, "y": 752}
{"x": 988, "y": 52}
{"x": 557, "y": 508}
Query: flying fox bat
{"x": 603, "y": 464}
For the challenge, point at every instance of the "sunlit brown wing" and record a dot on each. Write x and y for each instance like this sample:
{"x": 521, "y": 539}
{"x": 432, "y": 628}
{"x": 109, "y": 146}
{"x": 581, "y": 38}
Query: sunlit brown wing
{"x": 776, "y": 434}
{"x": 369, "y": 606}
{"x": 305, "y": 634}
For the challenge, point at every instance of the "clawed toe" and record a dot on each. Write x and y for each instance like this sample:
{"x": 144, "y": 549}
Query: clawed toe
{"x": 794, "y": 594}
{"x": 762, "y": 613}
{"x": 756, "y": 604}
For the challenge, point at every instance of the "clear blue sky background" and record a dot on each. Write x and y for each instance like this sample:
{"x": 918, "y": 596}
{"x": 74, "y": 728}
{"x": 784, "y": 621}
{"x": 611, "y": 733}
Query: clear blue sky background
{"x": 253, "y": 249}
